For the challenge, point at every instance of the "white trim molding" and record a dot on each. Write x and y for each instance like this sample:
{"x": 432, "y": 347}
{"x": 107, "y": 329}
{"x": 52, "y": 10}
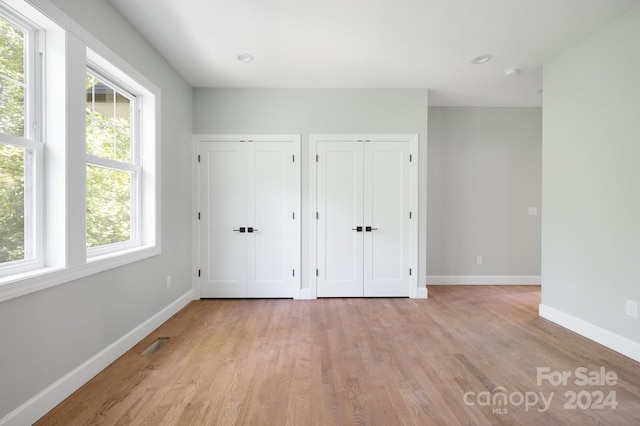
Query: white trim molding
{"x": 599, "y": 335}
{"x": 47, "y": 399}
{"x": 304, "y": 294}
{"x": 423, "y": 292}
{"x": 483, "y": 279}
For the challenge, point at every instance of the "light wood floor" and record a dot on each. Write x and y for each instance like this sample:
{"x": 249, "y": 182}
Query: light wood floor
{"x": 358, "y": 361}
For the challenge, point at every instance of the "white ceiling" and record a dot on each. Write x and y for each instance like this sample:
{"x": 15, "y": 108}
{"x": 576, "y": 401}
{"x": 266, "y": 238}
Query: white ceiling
{"x": 371, "y": 43}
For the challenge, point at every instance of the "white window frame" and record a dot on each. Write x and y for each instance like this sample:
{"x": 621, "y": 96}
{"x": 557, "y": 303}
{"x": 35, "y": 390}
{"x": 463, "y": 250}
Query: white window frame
{"x": 134, "y": 167}
{"x": 31, "y": 141}
{"x": 145, "y": 215}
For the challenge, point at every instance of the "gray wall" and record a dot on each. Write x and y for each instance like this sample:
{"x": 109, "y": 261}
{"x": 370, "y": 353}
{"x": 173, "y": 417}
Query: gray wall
{"x": 308, "y": 111}
{"x": 484, "y": 173}
{"x": 591, "y": 148}
{"x": 47, "y": 334}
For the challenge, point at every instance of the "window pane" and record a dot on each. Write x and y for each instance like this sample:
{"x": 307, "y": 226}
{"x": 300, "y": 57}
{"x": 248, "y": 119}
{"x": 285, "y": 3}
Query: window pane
{"x": 11, "y": 51}
{"x": 12, "y": 203}
{"x": 12, "y": 87}
{"x": 108, "y": 206}
{"x": 108, "y": 121}
{"x": 11, "y": 108}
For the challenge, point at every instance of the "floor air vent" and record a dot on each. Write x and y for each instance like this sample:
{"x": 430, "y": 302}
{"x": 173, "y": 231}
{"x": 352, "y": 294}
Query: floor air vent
{"x": 155, "y": 346}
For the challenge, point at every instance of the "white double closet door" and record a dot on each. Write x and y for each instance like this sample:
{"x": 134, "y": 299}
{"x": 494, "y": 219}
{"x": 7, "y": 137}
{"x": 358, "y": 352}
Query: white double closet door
{"x": 249, "y": 227}
{"x": 363, "y": 222}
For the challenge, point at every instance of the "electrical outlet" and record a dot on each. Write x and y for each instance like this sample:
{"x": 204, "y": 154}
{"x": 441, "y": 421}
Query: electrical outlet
{"x": 632, "y": 308}
{"x": 478, "y": 260}
{"x": 168, "y": 281}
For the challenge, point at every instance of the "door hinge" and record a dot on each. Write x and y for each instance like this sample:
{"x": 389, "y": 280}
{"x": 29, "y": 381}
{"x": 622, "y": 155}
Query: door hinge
{"x": 409, "y": 271}
{"x": 409, "y": 215}
{"x": 198, "y": 215}
{"x": 293, "y": 215}
{"x": 293, "y": 272}
{"x": 198, "y": 158}
{"x": 198, "y": 272}
{"x": 317, "y": 215}
{"x": 410, "y": 158}
{"x": 293, "y": 158}
{"x": 317, "y": 158}
{"x": 317, "y": 273}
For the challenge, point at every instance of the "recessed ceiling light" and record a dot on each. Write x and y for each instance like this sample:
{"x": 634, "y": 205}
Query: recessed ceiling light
{"x": 511, "y": 71}
{"x": 481, "y": 59}
{"x": 245, "y": 57}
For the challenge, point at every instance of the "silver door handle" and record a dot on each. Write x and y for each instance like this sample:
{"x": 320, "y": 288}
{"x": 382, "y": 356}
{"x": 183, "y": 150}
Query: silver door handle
{"x": 239, "y": 230}
{"x": 369, "y": 229}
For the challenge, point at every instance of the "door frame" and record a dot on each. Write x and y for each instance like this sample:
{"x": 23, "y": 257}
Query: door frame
{"x": 195, "y": 191}
{"x": 313, "y": 206}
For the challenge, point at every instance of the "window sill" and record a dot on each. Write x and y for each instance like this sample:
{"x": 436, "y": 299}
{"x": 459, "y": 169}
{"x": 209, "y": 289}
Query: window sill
{"x": 39, "y": 279}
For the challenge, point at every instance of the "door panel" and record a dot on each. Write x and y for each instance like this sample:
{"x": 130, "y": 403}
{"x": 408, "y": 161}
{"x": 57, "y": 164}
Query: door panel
{"x": 387, "y": 205}
{"x": 223, "y": 196}
{"x": 269, "y": 259}
{"x": 339, "y": 200}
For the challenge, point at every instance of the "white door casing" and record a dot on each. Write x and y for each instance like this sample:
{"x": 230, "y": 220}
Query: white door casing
{"x": 367, "y": 181}
{"x": 249, "y": 210}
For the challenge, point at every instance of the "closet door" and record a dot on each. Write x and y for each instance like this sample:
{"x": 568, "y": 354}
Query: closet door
{"x": 223, "y": 207}
{"x": 249, "y": 218}
{"x": 387, "y": 202}
{"x": 271, "y": 202}
{"x": 340, "y": 213}
{"x": 364, "y": 218}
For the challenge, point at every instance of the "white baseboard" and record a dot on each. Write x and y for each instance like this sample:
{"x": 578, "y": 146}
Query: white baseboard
{"x": 305, "y": 294}
{"x": 423, "y": 293}
{"x": 483, "y": 280}
{"x": 47, "y": 399}
{"x": 606, "y": 338}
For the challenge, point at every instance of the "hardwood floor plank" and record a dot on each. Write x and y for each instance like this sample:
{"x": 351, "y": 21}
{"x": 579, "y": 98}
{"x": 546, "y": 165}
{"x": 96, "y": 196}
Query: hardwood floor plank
{"x": 441, "y": 361}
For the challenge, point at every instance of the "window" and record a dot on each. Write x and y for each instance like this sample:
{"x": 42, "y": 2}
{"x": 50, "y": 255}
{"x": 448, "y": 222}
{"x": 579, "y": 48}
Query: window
{"x": 113, "y": 169}
{"x": 93, "y": 160}
{"x": 20, "y": 149}
{"x": 121, "y": 161}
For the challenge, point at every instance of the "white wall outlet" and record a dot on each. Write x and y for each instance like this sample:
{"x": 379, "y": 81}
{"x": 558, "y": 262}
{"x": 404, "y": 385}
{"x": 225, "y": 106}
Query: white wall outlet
{"x": 168, "y": 281}
{"x": 632, "y": 308}
{"x": 533, "y": 211}
{"x": 478, "y": 260}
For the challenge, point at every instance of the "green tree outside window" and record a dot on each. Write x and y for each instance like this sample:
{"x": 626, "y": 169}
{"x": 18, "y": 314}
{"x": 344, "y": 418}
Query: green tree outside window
{"x": 12, "y": 158}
